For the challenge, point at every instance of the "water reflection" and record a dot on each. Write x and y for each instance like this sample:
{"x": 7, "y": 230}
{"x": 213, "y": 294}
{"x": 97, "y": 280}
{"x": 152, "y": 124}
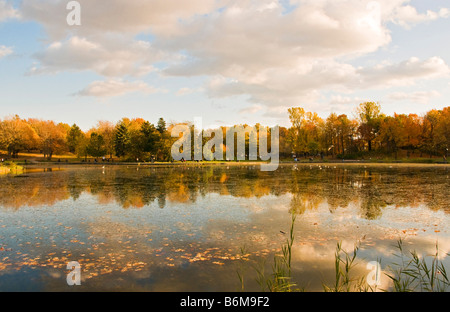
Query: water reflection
{"x": 371, "y": 188}
{"x": 182, "y": 228}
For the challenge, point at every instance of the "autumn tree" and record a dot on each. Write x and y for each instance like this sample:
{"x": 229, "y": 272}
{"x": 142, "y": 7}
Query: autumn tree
{"x": 135, "y": 149}
{"x": 369, "y": 114}
{"x": 52, "y": 137}
{"x": 297, "y": 118}
{"x": 313, "y": 128}
{"x": 339, "y": 134}
{"x": 331, "y": 134}
{"x": 412, "y": 128}
{"x": 306, "y": 131}
{"x": 106, "y": 130}
{"x": 17, "y": 135}
{"x": 285, "y": 147}
{"x": 442, "y": 134}
{"x": 392, "y": 133}
{"x": 430, "y": 123}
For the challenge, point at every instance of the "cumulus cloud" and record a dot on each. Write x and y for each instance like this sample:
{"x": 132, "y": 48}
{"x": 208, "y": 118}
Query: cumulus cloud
{"x": 407, "y": 16}
{"x": 160, "y": 17}
{"x": 292, "y": 86}
{"x": 5, "y": 51}
{"x": 245, "y": 39}
{"x": 404, "y": 73}
{"x": 255, "y": 48}
{"x": 116, "y": 87}
{"x": 108, "y": 57}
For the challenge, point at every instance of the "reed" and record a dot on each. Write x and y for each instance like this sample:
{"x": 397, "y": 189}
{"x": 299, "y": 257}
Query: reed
{"x": 411, "y": 273}
{"x": 280, "y": 280}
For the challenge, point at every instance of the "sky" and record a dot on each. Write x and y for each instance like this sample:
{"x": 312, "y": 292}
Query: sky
{"x": 227, "y": 61}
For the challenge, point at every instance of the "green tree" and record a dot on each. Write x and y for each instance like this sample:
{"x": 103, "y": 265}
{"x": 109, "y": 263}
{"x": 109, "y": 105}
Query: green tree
{"x": 96, "y": 145}
{"x": 74, "y": 136}
{"x": 149, "y": 138}
{"x": 161, "y": 126}
{"x": 121, "y": 139}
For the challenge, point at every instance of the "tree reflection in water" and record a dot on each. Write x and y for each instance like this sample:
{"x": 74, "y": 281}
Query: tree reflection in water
{"x": 371, "y": 188}
{"x": 108, "y": 219}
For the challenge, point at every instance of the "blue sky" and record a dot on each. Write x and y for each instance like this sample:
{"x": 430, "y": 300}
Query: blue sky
{"x": 226, "y": 61}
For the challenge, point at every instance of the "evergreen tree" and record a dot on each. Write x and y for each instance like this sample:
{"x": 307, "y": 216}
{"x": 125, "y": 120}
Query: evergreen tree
{"x": 121, "y": 139}
{"x": 73, "y": 138}
{"x": 161, "y": 127}
{"x": 150, "y": 137}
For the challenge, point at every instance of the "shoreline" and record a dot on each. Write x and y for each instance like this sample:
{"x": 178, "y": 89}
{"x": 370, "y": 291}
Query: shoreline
{"x": 354, "y": 163}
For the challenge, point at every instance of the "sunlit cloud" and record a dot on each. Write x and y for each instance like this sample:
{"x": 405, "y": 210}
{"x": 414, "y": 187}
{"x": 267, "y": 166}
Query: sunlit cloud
{"x": 272, "y": 55}
{"x": 116, "y": 87}
{"x": 422, "y": 97}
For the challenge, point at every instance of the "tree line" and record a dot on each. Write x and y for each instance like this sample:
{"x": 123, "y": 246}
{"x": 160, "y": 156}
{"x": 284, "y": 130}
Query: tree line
{"x": 128, "y": 138}
{"x": 368, "y": 132}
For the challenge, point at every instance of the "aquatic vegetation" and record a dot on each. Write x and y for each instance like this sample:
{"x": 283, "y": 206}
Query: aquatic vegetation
{"x": 344, "y": 263}
{"x": 411, "y": 274}
{"x": 281, "y": 278}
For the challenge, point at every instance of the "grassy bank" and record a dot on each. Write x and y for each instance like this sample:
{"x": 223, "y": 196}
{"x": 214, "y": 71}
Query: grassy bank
{"x": 27, "y": 158}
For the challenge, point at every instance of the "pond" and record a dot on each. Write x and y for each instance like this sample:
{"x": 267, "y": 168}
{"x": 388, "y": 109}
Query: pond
{"x": 195, "y": 227}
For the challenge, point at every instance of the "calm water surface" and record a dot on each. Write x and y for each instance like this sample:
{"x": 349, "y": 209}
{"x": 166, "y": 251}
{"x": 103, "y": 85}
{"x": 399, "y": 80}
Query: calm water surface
{"x": 138, "y": 228}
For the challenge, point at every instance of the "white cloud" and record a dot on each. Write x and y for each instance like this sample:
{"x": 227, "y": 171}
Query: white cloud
{"x": 407, "y": 16}
{"x": 116, "y": 87}
{"x": 111, "y": 58}
{"x": 404, "y": 73}
{"x": 160, "y": 17}
{"x": 247, "y": 48}
{"x": 7, "y": 11}
{"x": 242, "y": 41}
{"x": 421, "y": 97}
{"x": 290, "y": 87}
{"x": 5, "y": 51}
